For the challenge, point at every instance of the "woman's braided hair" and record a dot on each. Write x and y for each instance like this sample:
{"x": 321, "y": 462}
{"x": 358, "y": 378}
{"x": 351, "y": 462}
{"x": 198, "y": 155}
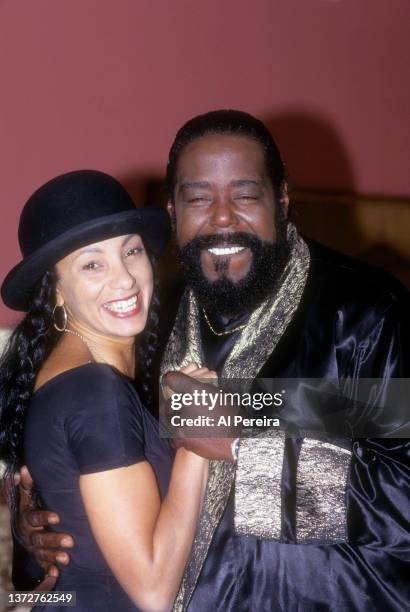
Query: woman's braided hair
{"x": 28, "y": 347}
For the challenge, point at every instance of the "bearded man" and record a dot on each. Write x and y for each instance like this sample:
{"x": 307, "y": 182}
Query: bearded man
{"x": 295, "y": 524}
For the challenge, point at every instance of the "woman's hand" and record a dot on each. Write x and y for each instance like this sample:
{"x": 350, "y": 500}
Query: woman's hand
{"x": 213, "y": 433}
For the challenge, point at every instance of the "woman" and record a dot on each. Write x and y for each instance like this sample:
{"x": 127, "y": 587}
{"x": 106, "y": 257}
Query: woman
{"x": 69, "y": 408}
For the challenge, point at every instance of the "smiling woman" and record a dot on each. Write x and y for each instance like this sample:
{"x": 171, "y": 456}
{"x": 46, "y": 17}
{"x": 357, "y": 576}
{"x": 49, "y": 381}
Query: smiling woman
{"x": 69, "y": 406}
{"x": 106, "y": 290}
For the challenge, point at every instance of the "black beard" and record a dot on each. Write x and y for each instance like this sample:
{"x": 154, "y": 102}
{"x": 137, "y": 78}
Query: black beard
{"x": 224, "y": 297}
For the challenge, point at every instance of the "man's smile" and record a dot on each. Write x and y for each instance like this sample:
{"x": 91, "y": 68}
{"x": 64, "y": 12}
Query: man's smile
{"x": 232, "y": 261}
{"x": 231, "y": 250}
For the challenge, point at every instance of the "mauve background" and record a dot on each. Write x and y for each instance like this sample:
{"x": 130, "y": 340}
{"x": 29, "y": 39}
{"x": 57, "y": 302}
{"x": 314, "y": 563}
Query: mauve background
{"x": 106, "y": 83}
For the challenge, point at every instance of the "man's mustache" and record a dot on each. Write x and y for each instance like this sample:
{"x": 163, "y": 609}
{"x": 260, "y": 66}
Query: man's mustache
{"x": 208, "y": 241}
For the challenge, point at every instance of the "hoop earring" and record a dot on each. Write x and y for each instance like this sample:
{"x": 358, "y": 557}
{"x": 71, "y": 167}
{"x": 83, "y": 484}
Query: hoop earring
{"x": 64, "y": 327}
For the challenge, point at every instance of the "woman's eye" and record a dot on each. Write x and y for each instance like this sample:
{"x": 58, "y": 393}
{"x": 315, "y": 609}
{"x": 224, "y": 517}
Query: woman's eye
{"x": 91, "y": 265}
{"x": 134, "y": 251}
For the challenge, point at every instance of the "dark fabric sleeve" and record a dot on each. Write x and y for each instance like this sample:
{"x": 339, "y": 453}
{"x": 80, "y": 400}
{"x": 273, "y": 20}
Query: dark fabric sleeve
{"x": 379, "y": 494}
{"x": 105, "y": 427}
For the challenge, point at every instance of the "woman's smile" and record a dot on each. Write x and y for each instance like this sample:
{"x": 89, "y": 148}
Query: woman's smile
{"x": 126, "y": 307}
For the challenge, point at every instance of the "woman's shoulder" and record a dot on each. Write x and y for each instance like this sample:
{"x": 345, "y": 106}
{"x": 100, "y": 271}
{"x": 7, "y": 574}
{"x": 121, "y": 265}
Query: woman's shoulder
{"x": 92, "y": 383}
{"x": 96, "y": 413}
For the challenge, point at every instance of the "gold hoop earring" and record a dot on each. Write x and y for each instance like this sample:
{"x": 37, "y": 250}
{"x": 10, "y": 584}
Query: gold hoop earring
{"x": 56, "y": 326}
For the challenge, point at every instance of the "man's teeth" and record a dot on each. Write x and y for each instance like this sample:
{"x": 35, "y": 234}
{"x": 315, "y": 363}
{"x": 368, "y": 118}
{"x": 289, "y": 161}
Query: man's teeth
{"x": 226, "y": 250}
{"x": 123, "y": 305}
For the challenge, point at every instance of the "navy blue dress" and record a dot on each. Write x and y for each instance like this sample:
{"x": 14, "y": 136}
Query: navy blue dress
{"x": 85, "y": 420}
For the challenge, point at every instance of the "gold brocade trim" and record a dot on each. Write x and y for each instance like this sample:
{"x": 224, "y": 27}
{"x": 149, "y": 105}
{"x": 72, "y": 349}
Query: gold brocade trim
{"x": 253, "y": 347}
{"x": 269, "y": 321}
{"x": 184, "y": 344}
{"x": 321, "y": 481}
{"x": 220, "y": 477}
{"x": 258, "y": 499}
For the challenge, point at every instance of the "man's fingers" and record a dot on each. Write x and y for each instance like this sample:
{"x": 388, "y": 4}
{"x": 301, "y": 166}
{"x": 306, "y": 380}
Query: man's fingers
{"x": 26, "y": 481}
{"x": 25, "y": 487}
{"x": 47, "y": 584}
{"x": 180, "y": 383}
{"x": 47, "y": 557}
{"x": 53, "y": 571}
{"x": 48, "y": 539}
{"x": 176, "y": 381}
{"x": 41, "y": 518}
{"x": 63, "y": 557}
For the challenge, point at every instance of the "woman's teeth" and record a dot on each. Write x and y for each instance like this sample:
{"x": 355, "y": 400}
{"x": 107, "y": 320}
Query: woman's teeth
{"x": 226, "y": 250}
{"x": 122, "y": 305}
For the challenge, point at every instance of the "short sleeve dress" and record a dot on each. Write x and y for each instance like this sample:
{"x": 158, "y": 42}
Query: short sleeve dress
{"x": 89, "y": 419}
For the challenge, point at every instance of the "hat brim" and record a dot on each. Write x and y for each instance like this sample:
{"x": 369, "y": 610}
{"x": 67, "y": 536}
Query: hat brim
{"x": 152, "y": 224}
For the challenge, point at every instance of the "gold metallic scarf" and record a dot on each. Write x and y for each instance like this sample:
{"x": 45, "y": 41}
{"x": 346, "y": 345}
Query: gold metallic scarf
{"x": 255, "y": 344}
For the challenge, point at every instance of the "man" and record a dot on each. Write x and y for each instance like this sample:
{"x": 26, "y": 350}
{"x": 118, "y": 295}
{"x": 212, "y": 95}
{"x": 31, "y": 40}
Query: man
{"x": 299, "y": 523}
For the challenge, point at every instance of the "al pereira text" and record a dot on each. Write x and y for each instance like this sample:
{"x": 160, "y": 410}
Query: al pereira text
{"x": 223, "y": 421}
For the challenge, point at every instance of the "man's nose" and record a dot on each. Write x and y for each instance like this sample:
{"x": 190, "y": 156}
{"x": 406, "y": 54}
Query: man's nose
{"x": 223, "y": 213}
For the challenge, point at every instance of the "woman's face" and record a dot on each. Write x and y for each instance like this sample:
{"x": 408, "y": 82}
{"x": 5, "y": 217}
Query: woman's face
{"x": 106, "y": 287}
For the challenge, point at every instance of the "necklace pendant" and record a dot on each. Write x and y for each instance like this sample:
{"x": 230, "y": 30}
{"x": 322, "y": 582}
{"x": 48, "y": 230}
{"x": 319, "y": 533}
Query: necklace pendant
{"x": 223, "y": 333}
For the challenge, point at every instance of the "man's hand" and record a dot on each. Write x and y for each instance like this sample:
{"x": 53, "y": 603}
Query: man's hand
{"x": 46, "y": 546}
{"x": 206, "y": 440}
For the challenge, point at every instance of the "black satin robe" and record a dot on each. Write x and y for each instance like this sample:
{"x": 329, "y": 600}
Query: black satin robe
{"x": 352, "y": 322}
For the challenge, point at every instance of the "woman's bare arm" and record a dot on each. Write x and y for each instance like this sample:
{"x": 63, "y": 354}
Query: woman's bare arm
{"x": 148, "y": 544}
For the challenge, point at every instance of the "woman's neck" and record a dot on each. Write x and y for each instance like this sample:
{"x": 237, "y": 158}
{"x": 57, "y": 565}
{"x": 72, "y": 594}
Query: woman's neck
{"x": 116, "y": 352}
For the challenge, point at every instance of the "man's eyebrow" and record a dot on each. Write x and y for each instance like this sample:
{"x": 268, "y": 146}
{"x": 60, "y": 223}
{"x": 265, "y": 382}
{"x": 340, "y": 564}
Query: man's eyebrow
{"x": 194, "y": 185}
{"x": 246, "y": 182}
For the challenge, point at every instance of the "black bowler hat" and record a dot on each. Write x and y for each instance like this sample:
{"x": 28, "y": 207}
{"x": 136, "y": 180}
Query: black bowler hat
{"x": 69, "y": 212}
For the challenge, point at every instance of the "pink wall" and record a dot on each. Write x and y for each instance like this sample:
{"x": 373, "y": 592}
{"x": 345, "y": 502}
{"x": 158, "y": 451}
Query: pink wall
{"x": 106, "y": 83}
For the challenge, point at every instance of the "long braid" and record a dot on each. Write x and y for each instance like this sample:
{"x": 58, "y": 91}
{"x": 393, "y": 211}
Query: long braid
{"x": 146, "y": 351}
{"x": 29, "y": 345}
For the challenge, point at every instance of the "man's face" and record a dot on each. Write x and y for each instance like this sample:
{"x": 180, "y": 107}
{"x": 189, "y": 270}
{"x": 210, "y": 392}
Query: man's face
{"x": 222, "y": 188}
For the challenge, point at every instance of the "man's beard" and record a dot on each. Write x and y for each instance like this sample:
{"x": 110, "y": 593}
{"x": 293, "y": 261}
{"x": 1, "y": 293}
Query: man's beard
{"x": 224, "y": 297}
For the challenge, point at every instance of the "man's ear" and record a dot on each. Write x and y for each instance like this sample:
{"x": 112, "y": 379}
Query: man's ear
{"x": 284, "y": 200}
{"x": 171, "y": 212}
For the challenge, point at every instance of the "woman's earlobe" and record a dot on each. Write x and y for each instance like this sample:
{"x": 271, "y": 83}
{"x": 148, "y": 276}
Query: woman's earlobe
{"x": 59, "y": 298}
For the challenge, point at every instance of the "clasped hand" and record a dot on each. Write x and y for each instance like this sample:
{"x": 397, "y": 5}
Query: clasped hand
{"x": 205, "y": 428}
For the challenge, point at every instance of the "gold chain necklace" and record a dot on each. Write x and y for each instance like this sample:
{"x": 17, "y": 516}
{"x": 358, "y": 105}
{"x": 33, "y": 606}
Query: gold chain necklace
{"x": 224, "y": 333}
{"x": 87, "y": 344}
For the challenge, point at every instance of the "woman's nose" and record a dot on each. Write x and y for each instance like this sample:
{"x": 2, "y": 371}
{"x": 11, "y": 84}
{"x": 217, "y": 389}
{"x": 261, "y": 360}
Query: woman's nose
{"x": 122, "y": 278}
